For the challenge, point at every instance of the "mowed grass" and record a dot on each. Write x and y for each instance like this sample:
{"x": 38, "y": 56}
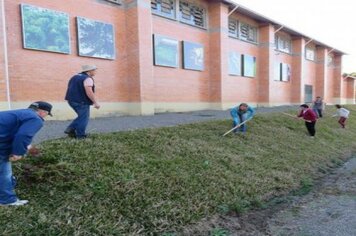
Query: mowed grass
{"x": 156, "y": 181}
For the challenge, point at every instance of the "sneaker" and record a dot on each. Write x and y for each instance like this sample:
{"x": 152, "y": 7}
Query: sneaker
{"x": 17, "y": 203}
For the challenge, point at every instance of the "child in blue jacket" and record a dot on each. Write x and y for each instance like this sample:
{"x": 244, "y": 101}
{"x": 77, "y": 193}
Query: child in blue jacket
{"x": 240, "y": 114}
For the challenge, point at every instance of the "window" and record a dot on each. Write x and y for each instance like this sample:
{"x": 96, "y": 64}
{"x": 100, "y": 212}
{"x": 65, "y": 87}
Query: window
{"x": 114, "y": 1}
{"x": 233, "y": 28}
{"x": 282, "y": 72}
{"x": 285, "y": 72}
{"x": 308, "y": 91}
{"x": 330, "y": 60}
{"x": 164, "y": 8}
{"x": 234, "y": 63}
{"x": 192, "y": 14}
{"x": 310, "y": 54}
{"x": 248, "y": 32}
{"x": 277, "y": 71}
{"x": 248, "y": 66}
{"x": 283, "y": 44}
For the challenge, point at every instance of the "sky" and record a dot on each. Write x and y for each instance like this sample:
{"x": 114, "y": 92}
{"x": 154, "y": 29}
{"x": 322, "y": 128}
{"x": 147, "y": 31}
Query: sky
{"x": 328, "y": 21}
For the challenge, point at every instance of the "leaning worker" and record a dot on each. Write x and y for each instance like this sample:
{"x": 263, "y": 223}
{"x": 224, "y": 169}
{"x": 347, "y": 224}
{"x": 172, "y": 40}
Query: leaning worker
{"x": 17, "y": 128}
{"x": 310, "y": 118}
{"x": 240, "y": 114}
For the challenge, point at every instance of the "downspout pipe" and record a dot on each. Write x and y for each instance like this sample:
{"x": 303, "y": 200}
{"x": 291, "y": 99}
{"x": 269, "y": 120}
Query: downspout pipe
{"x": 281, "y": 27}
{"x": 331, "y": 50}
{"x": 6, "y": 62}
{"x": 309, "y": 41}
{"x": 232, "y": 11}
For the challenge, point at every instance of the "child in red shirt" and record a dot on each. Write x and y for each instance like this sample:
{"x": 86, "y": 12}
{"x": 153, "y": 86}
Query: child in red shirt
{"x": 310, "y": 118}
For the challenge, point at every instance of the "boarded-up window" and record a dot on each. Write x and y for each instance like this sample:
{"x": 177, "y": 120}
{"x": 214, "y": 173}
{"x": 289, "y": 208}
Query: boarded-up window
{"x": 163, "y": 7}
{"x": 283, "y": 44}
{"x": 115, "y": 1}
{"x": 192, "y": 14}
{"x": 310, "y": 54}
{"x": 233, "y": 28}
{"x": 248, "y": 32}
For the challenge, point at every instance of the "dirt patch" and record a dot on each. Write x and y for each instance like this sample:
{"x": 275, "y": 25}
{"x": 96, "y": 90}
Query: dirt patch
{"x": 329, "y": 209}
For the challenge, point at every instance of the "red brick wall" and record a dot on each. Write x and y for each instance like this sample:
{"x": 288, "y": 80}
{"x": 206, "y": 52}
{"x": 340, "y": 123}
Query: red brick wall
{"x": 43, "y": 75}
{"x": 132, "y": 78}
{"x": 281, "y": 91}
{"x": 240, "y": 88}
{"x": 178, "y": 84}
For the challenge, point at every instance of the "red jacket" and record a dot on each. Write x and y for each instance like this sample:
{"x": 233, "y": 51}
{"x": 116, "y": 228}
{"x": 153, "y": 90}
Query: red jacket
{"x": 308, "y": 114}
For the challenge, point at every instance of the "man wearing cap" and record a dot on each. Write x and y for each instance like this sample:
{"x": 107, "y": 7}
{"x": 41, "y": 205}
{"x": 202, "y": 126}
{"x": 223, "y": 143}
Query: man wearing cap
{"x": 17, "y": 128}
{"x": 80, "y": 96}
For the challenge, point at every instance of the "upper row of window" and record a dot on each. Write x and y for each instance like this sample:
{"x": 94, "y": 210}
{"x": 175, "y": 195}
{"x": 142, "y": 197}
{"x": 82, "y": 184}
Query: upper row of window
{"x": 195, "y": 15}
{"x": 188, "y": 13}
{"x": 242, "y": 30}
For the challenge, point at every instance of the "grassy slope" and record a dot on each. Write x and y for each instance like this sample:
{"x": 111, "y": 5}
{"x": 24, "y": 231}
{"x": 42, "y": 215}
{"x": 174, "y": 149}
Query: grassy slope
{"x": 158, "y": 180}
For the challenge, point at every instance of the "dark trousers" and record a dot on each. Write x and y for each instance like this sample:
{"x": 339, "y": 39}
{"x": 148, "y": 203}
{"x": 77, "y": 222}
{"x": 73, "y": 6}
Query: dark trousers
{"x": 311, "y": 127}
{"x": 342, "y": 121}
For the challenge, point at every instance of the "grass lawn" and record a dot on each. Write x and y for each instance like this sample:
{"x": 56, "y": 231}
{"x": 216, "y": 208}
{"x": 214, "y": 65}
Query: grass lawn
{"x": 156, "y": 181}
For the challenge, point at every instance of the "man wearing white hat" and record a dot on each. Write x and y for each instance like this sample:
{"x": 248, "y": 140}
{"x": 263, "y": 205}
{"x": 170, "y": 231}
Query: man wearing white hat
{"x": 80, "y": 96}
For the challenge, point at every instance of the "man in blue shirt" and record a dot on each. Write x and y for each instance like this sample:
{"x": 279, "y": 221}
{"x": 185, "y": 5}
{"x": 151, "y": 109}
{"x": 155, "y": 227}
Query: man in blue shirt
{"x": 17, "y": 128}
{"x": 240, "y": 114}
{"x": 80, "y": 96}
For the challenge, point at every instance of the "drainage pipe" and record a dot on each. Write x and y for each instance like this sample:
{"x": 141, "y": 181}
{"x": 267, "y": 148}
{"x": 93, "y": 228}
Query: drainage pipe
{"x": 6, "y": 62}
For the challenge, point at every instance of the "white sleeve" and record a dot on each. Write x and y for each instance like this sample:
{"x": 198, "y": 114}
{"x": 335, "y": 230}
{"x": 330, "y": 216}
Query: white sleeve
{"x": 88, "y": 82}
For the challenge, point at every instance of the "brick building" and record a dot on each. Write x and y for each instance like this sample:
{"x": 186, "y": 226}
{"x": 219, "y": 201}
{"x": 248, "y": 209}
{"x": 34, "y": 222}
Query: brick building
{"x": 161, "y": 55}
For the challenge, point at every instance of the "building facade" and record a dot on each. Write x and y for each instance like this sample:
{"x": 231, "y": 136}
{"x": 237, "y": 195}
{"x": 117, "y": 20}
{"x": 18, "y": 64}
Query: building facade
{"x": 161, "y": 56}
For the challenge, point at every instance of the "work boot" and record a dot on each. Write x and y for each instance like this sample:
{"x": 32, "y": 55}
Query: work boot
{"x": 70, "y": 132}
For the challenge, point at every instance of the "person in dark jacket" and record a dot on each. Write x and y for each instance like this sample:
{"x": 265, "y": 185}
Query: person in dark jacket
{"x": 310, "y": 118}
{"x": 80, "y": 96}
{"x": 17, "y": 128}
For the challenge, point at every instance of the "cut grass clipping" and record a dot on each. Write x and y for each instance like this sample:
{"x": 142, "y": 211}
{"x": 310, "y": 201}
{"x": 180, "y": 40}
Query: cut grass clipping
{"x": 157, "y": 181}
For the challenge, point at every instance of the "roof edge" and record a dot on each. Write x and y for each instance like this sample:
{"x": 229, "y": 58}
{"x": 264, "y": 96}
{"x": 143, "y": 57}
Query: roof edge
{"x": 253, "y": 14}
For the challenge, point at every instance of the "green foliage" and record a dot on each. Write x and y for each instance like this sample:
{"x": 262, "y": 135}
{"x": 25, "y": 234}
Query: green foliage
{"x": 219, "y": 232}
{"x": 95, "y": 38}
{"x": 165, "y": 51}
{"x": 45, "y": 29}
{"x": 154, "y": 181}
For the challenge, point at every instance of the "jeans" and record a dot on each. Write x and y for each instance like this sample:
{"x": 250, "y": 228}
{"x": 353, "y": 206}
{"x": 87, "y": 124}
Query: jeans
{"x": 7, "y": 182}
{"x": 80, "y": 123}
{"x": 239, "y": 119}
{"x": 318, "y": 112}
